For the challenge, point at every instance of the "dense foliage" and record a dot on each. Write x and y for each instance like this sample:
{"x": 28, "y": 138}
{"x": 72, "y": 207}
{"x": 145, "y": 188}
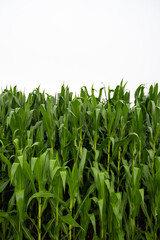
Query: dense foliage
{"x": 80, "y": 167}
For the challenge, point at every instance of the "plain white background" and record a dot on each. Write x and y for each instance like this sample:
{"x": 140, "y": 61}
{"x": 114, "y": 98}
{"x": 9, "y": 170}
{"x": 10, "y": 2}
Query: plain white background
{"x": 78, "y": 43}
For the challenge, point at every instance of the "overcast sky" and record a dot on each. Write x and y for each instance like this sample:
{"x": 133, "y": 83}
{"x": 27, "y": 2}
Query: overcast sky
{"x": 79, "y": 43}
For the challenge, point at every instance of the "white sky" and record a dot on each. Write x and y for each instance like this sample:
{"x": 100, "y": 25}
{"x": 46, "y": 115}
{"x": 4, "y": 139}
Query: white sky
{"x": 79, "y": 43}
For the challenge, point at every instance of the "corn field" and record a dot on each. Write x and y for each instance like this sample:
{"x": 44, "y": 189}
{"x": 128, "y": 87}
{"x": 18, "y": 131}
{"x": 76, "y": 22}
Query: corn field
{"x": 80, "y": 167}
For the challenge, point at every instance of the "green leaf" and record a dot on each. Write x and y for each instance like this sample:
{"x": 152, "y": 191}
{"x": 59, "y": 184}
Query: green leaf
{"x": 141, "y": 191}
{"x": 5, "y": 160}
{"x": 136, "y": 175}
{"x": 151, "y": 154}
{"x": 43, "y": 194}
{"x": 100, "y": 184}
{"x": 118, "y": 113}
{"x": 82, "y": 163}
{"x": 37, "y": 162}
{"x": 20, "y": 201}
{"x": 90, "y": 190}
{"x": 27, "y": 233}
{"x": 93, "y": 221}
{"x": 3, "y": 185}
{"x": 16, "y": 143}
{"x": 27, "y": 171}
{"x": 100, "y": 204}
{"x": 63, "y": 177}
{"x": 70, "y": 221}
{"x": 96, "y": 238}
{"x": 120, "y": 234}
{"x": 148, "y": 236}
{"x": 97, "y": 114}
{"x": 33, "y": 162}
{"x": 13, "y": 170}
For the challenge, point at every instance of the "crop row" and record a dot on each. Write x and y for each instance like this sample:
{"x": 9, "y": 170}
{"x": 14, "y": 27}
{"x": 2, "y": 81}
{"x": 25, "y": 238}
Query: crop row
{"x": 80, "y": 167}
